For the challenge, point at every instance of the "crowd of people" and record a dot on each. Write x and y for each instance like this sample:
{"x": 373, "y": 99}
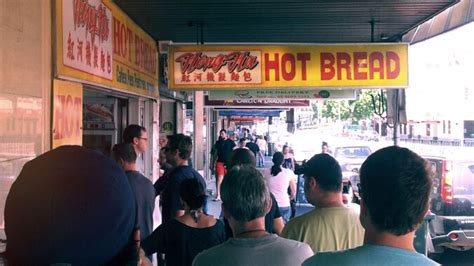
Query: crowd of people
{"x": 74, "y": 206}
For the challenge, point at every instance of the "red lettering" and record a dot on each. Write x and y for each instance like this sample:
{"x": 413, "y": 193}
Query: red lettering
{"x": 117, "y": 36}
{"x": 360, "y": 61}
{"x": 77, "y": 116}
{"x": 269, "y": 65}
{"x": 93, "y": 18}
{"x": 303, "y": 57}
{"x": 123, "y": 38}
{"x": 130, "y": 43}
{"x": 376, "y": 64}
{"x": 67, "y": 122}
{"x": 59, "y": 102}
{"x": 285, "y": 59}
{"x": 327, "y": 66}
{"x": 343, "y": 62}
{"x": 392, "y": 73}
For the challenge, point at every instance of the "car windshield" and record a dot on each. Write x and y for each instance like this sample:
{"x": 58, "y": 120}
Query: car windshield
{"x": 352, "y": 152}
{"x": 463, "y": 180}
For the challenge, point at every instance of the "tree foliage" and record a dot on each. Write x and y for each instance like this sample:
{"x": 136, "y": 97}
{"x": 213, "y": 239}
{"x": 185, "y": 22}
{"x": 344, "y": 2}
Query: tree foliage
{"x": 360, "y": 109}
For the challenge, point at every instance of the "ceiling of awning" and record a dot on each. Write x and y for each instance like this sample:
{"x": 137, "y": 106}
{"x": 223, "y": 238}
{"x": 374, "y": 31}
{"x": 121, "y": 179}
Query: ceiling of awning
{"x": 280, "y": 21}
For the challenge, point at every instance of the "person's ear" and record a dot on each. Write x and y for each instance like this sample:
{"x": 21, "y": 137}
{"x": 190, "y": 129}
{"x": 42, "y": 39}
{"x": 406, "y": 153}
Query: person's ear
{"x": 121, "y": 162}
{"x": 364, "y": 215}
{"x": 225, "y": 212}
{"x": 312, "y": 183}
{"x": 270, "y": 204}
{"x": 136, "y": 140}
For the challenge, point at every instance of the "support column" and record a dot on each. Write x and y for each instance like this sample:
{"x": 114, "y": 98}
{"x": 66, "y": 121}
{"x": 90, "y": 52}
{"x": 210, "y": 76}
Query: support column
{"x": 198, "y": 138}
{"x": 180, "y": 109}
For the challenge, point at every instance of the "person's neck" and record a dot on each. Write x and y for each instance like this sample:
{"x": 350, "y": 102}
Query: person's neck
{"x": 329, "y": 200}
{"x": 130, "y": 167}
{"x": 250, "y": 229}
{"x": 374, "y": 237}
{"x": 181, "y": 162}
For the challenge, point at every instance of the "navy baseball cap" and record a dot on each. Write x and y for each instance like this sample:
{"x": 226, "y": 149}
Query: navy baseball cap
{"x": 70, "y": 205}
{"x": 324, "y": 168}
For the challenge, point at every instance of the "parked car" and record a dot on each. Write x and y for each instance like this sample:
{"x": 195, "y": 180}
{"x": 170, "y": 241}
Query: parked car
{"x": 350, "y": 159}
{"x": 452, "y": 204}
{"x": 368, "y": 135}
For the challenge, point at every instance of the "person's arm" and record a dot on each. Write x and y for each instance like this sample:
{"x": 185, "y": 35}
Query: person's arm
{"x": 143, "y": 260}
{"x": 155, "y": 242}
{"x": 176, "y": 207}
{"x": 292, "y": 189}
{"x": 213, "y": 160}
{"x": 278, "y": 225}
{"x": 160, "y": 184}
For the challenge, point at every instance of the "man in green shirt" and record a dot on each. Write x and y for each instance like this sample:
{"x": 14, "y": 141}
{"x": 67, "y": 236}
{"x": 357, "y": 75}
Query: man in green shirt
{"x": 395, "y": 186}
{"x": 331, "y": 225}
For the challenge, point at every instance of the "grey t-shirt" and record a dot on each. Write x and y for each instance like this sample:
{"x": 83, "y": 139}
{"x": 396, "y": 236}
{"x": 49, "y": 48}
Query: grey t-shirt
{"x": 370, "y": 255}
{"x": 268, "y": 250}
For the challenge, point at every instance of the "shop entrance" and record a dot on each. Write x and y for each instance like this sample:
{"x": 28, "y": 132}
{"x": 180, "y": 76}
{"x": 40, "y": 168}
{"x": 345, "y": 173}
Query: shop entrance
{"x": 104, "y": 118}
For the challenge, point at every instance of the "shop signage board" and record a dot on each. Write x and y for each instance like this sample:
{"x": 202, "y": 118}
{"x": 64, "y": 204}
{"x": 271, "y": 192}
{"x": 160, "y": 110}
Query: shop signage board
{"x": 97, "y": 43}
{"x": 255, "y": 103}
{"x": 264, "y": 113}
{"x": 220, "y": 67}
{"x": 67, "y": 113}
{"x": 293, "y": 94}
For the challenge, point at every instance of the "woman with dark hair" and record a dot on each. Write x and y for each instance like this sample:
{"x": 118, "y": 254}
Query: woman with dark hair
{"x": 289, "y": 162}
{"x": 183, "y": 237}
{"x": 278, "y": 181}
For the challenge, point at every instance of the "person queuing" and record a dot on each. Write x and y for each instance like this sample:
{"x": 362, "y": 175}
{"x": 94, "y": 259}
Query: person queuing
{"x": 273, "y": 220}
{"x": 177, "y": 150}
{"x": 279, "y": 180}
{"x": 71, "y": 206}
{"x": 331, "y": 225}
{"x": 182, "y": 238}
{"x": 137, "y": 136}
{"x": 245, "y": 201}
{"x": 124, "y": 154}
{"x": 389, "y": 175}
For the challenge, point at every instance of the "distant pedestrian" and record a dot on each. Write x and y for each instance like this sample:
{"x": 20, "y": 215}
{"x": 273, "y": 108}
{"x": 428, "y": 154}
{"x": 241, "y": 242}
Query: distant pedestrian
{"x": 251, "y": 145}
{"x": 262, "y": 145}
{"x": 279, "y": 180}
{"x": 289, "y": 162}
{"x": 221, "y": 151}
{"x": 325, "y": 148}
